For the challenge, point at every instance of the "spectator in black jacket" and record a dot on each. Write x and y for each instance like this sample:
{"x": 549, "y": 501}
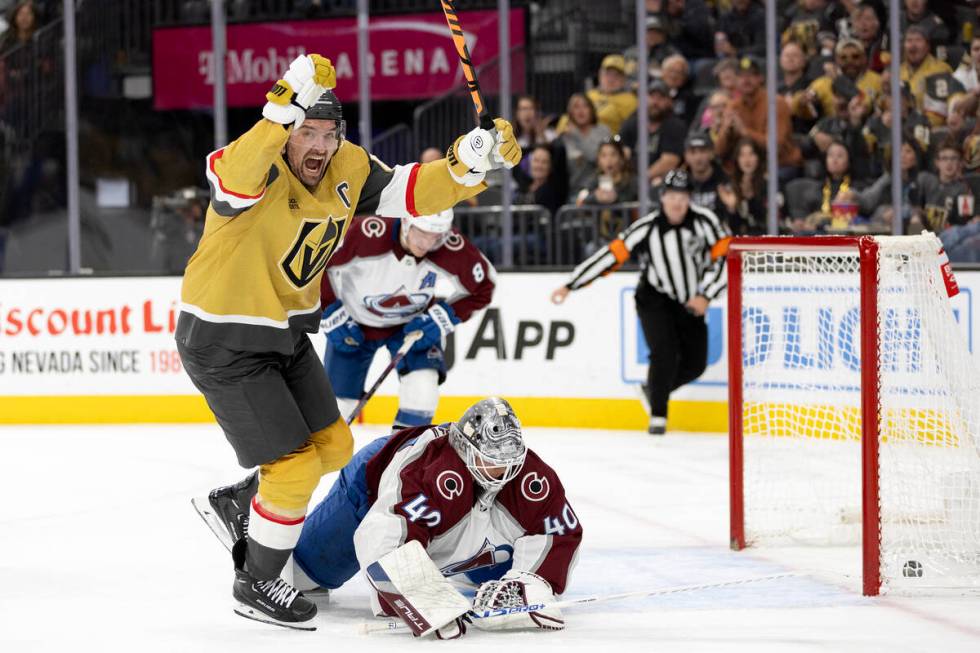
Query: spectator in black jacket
{"x": 706, "y": 174}
{"x": 741, "y": 30}
{"x": 546, "y": 185}
{"x": 688, "y": 25}
{"x": 676, "y": 75}
{"x": 665, "y": 131}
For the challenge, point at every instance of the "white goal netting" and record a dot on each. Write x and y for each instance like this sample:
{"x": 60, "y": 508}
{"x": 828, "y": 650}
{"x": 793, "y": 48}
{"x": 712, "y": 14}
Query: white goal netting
{"x": 801, "y": 412}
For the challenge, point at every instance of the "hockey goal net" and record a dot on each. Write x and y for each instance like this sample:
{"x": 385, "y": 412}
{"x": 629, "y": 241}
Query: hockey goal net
{"x": 854, "y": 406}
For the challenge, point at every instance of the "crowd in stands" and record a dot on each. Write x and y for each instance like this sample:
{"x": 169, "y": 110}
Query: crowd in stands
{"x": 707, "y": 110}
{"x": 20, "y": 19}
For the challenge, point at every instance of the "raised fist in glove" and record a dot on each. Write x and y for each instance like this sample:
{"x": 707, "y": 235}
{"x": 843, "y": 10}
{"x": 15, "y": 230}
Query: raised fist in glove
{"x": 506, "y": 152}
{"x": 308, "y": 76}
{"x": 469, "y": 157}
{"x": 341, "y": 329}
{"x": 435, "y": 324}
{"x": 496, "y": 599}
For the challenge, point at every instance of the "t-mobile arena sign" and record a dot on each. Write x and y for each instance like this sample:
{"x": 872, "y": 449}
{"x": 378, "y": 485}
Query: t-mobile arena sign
{"x": 412, "y": 57}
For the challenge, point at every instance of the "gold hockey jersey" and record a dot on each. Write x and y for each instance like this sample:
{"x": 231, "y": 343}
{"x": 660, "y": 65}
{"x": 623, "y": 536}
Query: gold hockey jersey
{"x": 254, "y": 282}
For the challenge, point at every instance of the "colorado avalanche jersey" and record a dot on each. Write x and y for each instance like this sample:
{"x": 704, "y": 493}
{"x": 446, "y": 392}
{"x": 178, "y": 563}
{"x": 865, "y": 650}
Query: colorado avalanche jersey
{"x": 383, "y": 287}
{"x": 421, "y": 490}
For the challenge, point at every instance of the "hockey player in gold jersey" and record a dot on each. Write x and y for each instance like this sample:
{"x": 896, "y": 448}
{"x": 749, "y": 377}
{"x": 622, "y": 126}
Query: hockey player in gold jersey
{"x": 282, "y": 196}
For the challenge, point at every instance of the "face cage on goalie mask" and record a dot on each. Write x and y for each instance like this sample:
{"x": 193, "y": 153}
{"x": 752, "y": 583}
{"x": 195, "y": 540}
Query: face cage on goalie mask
{"x": 469, "y": 453}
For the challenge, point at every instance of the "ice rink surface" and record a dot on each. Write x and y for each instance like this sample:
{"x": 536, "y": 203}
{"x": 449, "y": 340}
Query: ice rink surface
{"x": 100, "y": 550}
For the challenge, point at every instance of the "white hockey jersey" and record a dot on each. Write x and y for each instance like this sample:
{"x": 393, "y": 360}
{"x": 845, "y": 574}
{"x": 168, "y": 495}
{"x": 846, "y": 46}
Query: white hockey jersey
{"x": 383, "y": 287}
{"x": 422, "y": 490}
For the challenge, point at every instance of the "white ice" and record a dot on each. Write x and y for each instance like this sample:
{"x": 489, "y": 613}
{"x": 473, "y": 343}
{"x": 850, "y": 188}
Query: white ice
{"x": 100, "y": 550}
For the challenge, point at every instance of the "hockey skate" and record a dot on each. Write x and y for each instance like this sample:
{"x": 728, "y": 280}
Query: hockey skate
{"x": 225, "y": 510}
{"x": 273, "y": 601}
{"x": 658, "y": 425}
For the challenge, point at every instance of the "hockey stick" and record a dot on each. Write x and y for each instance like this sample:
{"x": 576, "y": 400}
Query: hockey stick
{"x": 469, "y": 71}
{"x": 410, "y": 340}
{"x": 395, "y": 626}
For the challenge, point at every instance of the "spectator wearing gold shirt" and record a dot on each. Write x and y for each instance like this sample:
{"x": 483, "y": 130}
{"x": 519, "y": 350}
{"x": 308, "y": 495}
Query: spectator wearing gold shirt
{"x": 613, "y": 101}
{"x": 851, "y": 62}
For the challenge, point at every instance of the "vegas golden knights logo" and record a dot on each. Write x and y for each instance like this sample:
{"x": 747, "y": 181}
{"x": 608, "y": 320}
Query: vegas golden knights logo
{"x": 313, "y": 247}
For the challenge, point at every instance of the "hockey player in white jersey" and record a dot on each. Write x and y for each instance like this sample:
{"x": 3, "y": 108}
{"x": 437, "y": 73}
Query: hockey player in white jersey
{"x": 379, "y": 286}
{"x": 465, "y": 502}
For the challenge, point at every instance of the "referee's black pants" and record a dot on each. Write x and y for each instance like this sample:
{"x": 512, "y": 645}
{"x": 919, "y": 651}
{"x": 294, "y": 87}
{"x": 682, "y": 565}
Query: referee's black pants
{"x": 678, "y": 342}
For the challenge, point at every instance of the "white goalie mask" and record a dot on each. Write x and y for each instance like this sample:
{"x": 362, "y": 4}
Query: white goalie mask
{"x": 488, "y": 436}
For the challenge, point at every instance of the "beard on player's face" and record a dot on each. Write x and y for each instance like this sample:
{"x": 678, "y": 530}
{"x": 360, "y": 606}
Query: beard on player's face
{"x": 310, "y": 148}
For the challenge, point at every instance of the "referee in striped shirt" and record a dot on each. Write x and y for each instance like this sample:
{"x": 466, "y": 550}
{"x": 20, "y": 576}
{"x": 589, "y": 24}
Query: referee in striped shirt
{"x": 681, "y": 249}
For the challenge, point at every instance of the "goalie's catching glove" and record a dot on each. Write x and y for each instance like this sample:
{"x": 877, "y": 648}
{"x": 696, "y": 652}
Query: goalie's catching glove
{"x": 307, "y": 78}
{"x": 516, "y": 589}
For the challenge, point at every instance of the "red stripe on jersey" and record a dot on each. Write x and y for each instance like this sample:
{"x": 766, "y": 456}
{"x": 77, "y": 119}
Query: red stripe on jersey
{"x": 285, "y": 521}
{"x": 214, "y": 157}
{"x": 410, "y": 189}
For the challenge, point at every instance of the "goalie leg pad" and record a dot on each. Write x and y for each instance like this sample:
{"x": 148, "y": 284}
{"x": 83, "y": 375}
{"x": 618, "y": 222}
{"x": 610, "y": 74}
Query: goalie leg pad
{"x": 418, "y": 396}
{"x": 409, "y": 582}
{"x": 504, "y": 604}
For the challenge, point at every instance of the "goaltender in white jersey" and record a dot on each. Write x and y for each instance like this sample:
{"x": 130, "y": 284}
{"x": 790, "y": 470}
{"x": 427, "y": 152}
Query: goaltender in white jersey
{"x": 430, "y": 509}
{"x": 381, "y": 285}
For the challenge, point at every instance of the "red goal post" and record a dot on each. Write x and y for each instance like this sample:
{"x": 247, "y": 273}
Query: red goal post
{"x": 809, "y": 320}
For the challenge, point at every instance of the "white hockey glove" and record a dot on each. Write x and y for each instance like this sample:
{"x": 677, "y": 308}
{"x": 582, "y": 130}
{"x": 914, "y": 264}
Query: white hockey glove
{"x": 469, "y": 157}
{"x": 517, "y": 589}
{"x": 307, "y": 78}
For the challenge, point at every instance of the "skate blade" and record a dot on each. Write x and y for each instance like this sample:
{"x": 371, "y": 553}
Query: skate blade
{"x": 203, "y": 508}
{"x": 243, "y": 610}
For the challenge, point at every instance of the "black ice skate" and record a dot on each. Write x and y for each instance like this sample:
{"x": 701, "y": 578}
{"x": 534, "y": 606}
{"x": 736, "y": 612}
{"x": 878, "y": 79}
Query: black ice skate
{"x": 273, "y": 601}
{"x": 226, "y": 509}
{"x": 658, "y": 425}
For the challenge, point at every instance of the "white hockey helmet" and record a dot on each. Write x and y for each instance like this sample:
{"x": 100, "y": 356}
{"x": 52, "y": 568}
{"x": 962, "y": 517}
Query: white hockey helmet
{"x": 490, "y": 430}
{"x": 438, "y": 223}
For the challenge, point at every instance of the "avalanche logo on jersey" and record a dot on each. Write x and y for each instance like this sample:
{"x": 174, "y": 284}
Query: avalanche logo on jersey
{"x": 489, "y": 555}
{"x": 400, "y": 303}
{"x": 313, "y": 247}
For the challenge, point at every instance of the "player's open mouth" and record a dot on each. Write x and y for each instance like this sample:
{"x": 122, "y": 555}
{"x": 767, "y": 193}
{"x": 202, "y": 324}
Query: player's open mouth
{"x": 313, "y": 164}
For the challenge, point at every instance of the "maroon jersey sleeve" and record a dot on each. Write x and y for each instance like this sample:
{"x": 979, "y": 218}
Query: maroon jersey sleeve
{"x": 423, "y": 486}
{"x": 536, "y": 500}
{"x": 474, "y": 275}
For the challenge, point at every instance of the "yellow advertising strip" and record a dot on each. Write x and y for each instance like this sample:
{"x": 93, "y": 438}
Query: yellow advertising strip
{"x": 566, "y": 412}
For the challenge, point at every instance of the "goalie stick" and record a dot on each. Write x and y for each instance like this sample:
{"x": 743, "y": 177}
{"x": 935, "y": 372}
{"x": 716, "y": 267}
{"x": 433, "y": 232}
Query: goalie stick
{"x": 394, "y": 626}
{"x": 410, "y": 340}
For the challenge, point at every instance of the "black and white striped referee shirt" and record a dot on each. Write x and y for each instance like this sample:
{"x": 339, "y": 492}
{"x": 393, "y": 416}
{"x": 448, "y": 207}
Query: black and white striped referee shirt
{"x": 679, "y": 261}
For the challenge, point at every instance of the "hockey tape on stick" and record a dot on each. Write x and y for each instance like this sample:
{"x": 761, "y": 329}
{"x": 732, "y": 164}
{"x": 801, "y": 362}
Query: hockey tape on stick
{"x": 393, "y": 626}
{"x": 469, "y": 70}
{"x": 410, "y": 340}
